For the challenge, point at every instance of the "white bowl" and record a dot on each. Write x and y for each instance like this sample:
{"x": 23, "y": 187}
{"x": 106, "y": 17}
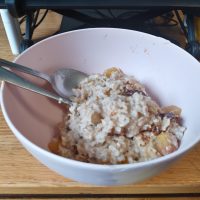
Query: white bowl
{"x": 170, "y": 73}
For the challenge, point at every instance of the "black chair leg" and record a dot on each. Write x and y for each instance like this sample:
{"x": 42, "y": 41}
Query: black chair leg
{"x": 27, "y": 41}
{"x": 192, "y": 46}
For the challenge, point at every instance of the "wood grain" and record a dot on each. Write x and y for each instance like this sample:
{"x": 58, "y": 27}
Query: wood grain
{"x": 20, "y": 173}
{"x": 177, "y": 198}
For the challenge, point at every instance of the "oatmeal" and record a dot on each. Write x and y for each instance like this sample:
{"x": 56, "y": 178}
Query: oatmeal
{"x": 113, "y": 121}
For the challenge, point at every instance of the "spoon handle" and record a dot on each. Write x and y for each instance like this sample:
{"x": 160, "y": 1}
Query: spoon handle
{"x": 8, "y": 76}
{"x": 24, "y": 69}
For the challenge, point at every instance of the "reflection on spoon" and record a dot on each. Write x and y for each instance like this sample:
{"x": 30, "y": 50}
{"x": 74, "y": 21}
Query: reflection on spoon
{"x": 62, "y": 80}
{"x": 10, "y": 77}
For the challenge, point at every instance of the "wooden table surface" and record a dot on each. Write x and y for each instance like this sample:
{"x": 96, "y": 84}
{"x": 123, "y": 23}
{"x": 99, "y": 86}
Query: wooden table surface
{"x": 22, "y": 176}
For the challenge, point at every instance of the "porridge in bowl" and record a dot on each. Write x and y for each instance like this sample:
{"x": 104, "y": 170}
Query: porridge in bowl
{"x": 113, "y": 121}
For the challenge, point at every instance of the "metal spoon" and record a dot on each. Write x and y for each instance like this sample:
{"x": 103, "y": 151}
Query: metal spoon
{"x": 10, "y": 77}
{"x": 62, "y": 80}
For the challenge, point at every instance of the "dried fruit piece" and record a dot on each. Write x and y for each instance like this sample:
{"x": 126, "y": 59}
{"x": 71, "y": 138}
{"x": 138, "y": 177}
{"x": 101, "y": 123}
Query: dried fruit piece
{"x": 165, "y": 143}
{"x": 109, "y": 71}
{"x": 96, "y": 118}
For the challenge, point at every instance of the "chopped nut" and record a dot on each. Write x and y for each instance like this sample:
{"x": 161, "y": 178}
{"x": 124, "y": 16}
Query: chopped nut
{"x": 96, "y": 118}
{"x": 109, "y": 71}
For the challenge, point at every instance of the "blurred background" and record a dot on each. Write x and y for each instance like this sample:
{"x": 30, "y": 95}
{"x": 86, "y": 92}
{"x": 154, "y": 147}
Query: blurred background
{"x": 27, "y": 22}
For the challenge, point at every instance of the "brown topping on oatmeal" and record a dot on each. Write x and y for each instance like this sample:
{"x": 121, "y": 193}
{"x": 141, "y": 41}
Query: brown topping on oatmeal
{"x": 123, "y": 131}
{"x": 171, "y": 112}
{"x": 109, "y": 71}
{"x": 171, "y": 109}
{"x": 171, "y": 116}
{"x": 96, "y": 118}
{"x": 135, "y": 127}
{"x": 112, "y": 132}
{"x": 54, "y": 145}
{"x": 107, "y": 92}
{"x": 127, "y": 92}
{"x": 153, "y": 108}
{"x": 165, "y": 143}
{"x": 155, "y": 129}
{"x": 145, "y": 138}
{"x": 85, "y": 95}
{"x": 74, "y": 149}
{"x": 132, "y": 86}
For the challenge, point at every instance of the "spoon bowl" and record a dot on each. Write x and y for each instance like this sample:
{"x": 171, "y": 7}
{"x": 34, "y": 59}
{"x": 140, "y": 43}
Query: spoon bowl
{"x": 62, "y": 80}
{"x": 10, "y": 77}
